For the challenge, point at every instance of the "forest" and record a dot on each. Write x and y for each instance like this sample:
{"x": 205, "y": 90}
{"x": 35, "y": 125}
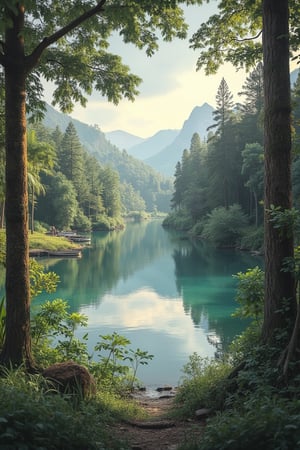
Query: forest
{"x": 71, "y": 188}
{"x": 251, "y": 394}
{"x": 219, "y": 183}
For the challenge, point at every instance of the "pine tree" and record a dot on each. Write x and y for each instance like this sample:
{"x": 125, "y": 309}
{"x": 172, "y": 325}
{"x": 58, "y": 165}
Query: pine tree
{"x": 71, "y": 163}
{"x": 224, "y": 110}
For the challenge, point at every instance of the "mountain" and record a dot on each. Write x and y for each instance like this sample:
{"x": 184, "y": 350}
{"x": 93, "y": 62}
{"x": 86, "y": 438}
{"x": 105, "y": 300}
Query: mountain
{"x": 150, "y": 184}
{"x": 90, "y": 137}
{"x": 199, "y": 120}
{"x": 123, "y": 140}
{"x": 153, "y": 145}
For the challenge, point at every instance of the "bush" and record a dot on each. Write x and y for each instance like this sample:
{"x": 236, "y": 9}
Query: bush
{"x": 250, "y": 294}
{"x": 81, "y": 222}
{"x": 264, "y": 422}
{"x": 197, "y": 229}
{"x": 179, "y": 220}
{"x": 105, "y": 223}
{"x": 224, "y": 227}
{"x": 203, "y": 386}
{"x": 33, "y": 419}
{"x": 253, "y": 239}
{"x": 40, "y": 227}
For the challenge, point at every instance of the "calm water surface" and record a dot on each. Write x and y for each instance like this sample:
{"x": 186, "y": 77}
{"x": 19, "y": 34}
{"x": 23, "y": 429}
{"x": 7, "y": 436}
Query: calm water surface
{"x": 168, "y": 295}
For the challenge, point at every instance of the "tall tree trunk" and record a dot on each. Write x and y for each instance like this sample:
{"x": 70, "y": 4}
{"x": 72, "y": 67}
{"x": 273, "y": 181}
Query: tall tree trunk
{"x": 279, "y": 286}
{"x": 17, "y": 345}
{"x": 2, "y": 214}
{"x": 32, "y": 210}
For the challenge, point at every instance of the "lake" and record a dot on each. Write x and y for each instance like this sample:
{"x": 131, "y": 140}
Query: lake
{"x": 167, "y": 294}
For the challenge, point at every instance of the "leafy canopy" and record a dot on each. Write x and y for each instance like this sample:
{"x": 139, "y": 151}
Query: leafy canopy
{"x": 67, "y": 43}
{"x": 238, "y": 37}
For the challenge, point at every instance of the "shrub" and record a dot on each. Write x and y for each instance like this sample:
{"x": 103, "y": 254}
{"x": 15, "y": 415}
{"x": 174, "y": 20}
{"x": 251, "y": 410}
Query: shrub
{"x": 81, "y": 222}
{"x": 224, "y": 227}
{"x": 179, "y": 220}
{"x": 203, "y": 385}
{"x": 263, "y": 422}
{"x": 33, "y": 419}
{"x": 253, "y": 239}
{"x": 250, "y": 294}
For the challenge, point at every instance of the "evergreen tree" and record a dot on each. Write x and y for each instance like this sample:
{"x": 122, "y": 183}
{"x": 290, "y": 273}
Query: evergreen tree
{"x": 252, "y": 108}
{"x": 224, "y": 110}
{"x": 94, "y": 204}
{"x": 253, "y": 170}
{"x": 196, "y": 189}
{"x": 71, "y": 163}
{"x": 59, "y": 206}
{"x": 224, "y": 159}
{"x": 111, "y": 192}
{"x": 130, "y": 199}
{"x": 177, "y": 197}
{"x": 253, "y": 90}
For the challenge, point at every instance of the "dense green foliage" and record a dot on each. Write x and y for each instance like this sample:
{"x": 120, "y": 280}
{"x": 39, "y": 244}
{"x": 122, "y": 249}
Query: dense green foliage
{"x": 251, "y": 404}
{"x": 228, "y": 170}
{"x": 32, "y": 415}
{"x": 85, "y": 191}
{"x": 238, "y": 40}
{"x": 224, "y": 227}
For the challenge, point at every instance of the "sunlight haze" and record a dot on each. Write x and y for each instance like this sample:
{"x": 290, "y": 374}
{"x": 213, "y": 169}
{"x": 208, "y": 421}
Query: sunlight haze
{"x": 170, "y": 89}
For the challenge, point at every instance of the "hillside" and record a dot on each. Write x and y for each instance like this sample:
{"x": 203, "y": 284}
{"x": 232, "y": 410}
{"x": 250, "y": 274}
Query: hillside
{"x": 123, "y": 140}
{"x": 198, "y": 122}
{"x": 152, "y": 186}
{"x": 153, "y": 145}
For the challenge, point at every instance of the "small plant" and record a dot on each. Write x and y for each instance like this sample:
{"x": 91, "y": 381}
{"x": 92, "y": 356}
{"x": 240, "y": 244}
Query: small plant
{"x": 136, "y": 358}
{"x": 54, "y": 326}
{"x": 113, "y": 362}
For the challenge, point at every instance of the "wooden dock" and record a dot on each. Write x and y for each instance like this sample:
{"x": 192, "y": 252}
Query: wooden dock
{"x": 70, "y": 253}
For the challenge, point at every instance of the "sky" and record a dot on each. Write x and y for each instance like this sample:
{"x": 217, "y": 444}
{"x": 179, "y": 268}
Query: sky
{"x": 170, "y": 89}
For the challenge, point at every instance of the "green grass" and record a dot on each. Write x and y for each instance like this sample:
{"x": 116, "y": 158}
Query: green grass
{"x": 46, "y": 242}
{"x": 32, "y": 417}
{"x": 53, "y": 243}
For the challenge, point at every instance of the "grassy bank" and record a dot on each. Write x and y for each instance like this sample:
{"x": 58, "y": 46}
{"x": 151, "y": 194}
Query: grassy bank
{"x": 43, "y": 241}
{"x": 53, "y": 243}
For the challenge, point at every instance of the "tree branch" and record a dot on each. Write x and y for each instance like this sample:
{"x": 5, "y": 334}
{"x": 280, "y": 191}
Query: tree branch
{"x": 33, "y": 58}
{"x": 252, "y": 38}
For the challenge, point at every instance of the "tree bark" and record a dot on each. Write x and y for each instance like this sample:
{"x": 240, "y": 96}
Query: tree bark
{"x": 279, "y": 286}
{"x": 17, "y": 345}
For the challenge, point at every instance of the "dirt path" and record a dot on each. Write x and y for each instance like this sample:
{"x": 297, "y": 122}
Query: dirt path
{"x": 160, "y": 431}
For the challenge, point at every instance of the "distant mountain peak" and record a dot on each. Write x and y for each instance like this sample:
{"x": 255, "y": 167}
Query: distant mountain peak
{"x": 122, "y": 139}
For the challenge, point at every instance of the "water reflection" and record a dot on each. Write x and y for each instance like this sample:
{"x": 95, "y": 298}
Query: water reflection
{"x": 168, "y": 295}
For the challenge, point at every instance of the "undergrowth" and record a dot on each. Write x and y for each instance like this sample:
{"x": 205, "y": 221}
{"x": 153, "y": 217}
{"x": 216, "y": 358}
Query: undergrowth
{"x": 251, "y": 405}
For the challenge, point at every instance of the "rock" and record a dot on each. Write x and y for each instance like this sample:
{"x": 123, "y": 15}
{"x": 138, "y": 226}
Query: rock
{"x": 161, "y": 397}
{"x": 202, "y": 413}
{"x": 70, "y": 378}
{"x": 164, "y": 388}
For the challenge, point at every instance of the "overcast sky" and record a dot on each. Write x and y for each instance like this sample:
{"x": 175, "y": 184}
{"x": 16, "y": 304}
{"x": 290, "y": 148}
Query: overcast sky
{"x": 170, "y": 89}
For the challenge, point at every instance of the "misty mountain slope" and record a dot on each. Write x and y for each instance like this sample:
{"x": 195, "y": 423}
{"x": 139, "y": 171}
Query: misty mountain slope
{"x": 123, "y": 140}
{"x": 199, "y": 120}
{"x": 89, "y": 136}
{"x": 153, "y": 145}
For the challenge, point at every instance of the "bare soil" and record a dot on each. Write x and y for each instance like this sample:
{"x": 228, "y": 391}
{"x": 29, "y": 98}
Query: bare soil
{"x": 160, "y": 430}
